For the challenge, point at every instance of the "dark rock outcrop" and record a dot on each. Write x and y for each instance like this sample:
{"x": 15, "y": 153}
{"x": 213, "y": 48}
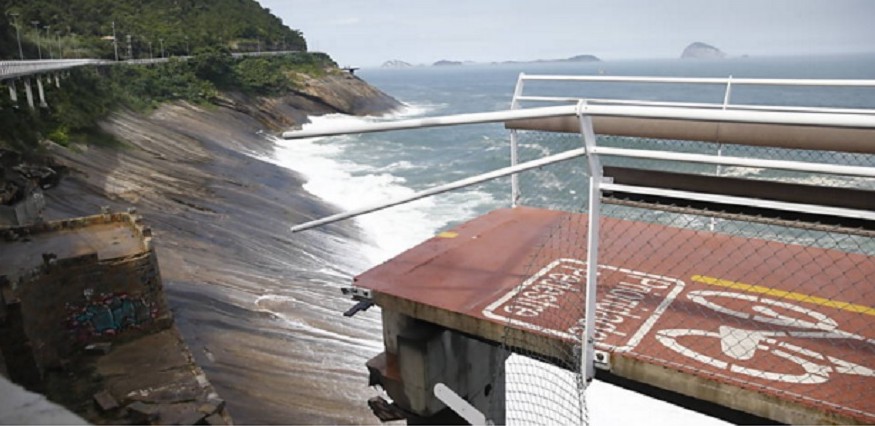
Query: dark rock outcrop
{"x": 343, "y": 93}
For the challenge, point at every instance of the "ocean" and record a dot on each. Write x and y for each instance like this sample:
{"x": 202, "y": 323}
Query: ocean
{"x": 354, "y": 170}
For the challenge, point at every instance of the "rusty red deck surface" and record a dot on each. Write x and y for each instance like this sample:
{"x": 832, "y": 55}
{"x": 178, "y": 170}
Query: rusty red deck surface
{"x": 789, "y": 324}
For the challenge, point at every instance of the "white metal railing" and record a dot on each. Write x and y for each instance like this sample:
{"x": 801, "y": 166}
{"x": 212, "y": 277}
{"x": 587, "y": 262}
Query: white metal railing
{"x": 729, "y": 82}
{"x": 585, "y": 110}
{"x": 519, "y": 97}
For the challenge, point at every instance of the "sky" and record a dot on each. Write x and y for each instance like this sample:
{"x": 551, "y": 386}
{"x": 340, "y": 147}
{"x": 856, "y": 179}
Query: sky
{"x": 367, "y": 33}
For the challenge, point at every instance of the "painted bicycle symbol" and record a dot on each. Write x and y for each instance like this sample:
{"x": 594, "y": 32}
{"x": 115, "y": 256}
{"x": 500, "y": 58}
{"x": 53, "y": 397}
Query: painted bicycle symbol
{"x": 738, "y": 345}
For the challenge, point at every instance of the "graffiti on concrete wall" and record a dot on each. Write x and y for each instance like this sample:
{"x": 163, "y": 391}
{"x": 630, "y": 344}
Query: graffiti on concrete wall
{"x": 108, "y": 314}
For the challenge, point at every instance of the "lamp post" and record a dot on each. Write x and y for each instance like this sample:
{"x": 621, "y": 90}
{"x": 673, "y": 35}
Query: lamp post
{"x": 114, "y": 41}
{"x": 49, "y": 41}
{"x": 60, "y": 50}
{"x": 14, "y": 16}
{"x": 39, "y": 47}
{"x": 161, "y": 41}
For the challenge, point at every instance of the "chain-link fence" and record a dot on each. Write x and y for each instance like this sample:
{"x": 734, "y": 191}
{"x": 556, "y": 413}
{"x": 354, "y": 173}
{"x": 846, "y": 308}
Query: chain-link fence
{"x": 765, "y": 305}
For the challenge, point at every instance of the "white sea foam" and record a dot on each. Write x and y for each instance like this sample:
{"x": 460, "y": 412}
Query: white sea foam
{"x": 413, "y": 110}
{"x": 349, "y": 185}
{"x": 287, "y": 308}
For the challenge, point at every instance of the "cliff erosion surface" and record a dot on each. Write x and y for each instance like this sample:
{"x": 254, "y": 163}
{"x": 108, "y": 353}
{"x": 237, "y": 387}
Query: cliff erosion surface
{"x": 259, "y": 307}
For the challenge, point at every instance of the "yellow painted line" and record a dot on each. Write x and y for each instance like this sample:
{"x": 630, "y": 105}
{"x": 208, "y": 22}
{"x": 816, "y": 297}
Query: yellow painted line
{"x": 448, "y": 234}
{"x": 790, "y": 295}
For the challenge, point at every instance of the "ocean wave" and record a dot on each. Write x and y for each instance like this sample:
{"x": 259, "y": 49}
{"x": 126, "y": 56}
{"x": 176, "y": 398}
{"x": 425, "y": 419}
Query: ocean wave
{"x": 350, "y": 185}
{"x": 413, "y": 109}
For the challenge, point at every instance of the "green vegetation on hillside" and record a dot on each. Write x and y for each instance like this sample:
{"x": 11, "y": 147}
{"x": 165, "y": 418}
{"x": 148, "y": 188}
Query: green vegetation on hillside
{"x": 91, "y": 93}
{"x": 81, "y": 27}
{"x": 208, "y": 30}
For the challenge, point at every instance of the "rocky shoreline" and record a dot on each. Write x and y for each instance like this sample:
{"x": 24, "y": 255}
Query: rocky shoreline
{"x": 220, "y": 218}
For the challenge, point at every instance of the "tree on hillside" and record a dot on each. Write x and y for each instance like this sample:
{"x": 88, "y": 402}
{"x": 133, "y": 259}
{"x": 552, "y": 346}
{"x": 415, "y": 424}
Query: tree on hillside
{"x": 182, "y": 26}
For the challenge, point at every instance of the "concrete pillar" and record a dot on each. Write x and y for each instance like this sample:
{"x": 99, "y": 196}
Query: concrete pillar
{"x": 28, "y": 91}
{"x": 57, "y": 81}
{"x": 42, "y": 93}
{"x": 420, "y": 355}
{"x": 13, "y": 94}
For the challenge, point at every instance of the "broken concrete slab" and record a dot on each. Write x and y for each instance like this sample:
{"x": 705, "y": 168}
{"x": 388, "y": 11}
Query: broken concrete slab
{"x": 215, "y": 420}
{"x": 212, "y": 406}
{"x": 105, "y": 401}
{"x": 139, "y": 412}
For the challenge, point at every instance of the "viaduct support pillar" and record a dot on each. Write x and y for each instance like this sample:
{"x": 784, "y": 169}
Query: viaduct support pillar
{"x": 42, "y": 94}
{"x": 57, "y": 81}
{"x": 28, "y": 91}
{"x": 13, "y": 94}
{"x": 420, "y": 355}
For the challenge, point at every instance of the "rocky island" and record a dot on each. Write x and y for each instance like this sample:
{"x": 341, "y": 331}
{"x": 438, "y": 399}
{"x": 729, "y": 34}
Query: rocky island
{"x": 395, "y": 63}
{"x": 446, "y": 63}
{"x": 699, "y": 50}
{"x": 577, "y": 58}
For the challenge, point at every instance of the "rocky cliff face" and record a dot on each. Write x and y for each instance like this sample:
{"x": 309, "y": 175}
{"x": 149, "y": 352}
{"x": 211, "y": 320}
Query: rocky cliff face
{"x": 220, "y": 218}
{"x": 334, "y": 93}
{"x": 699, "y": 50}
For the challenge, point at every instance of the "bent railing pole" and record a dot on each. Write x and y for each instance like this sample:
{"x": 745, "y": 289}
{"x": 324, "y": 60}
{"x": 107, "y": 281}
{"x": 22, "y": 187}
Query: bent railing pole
{"x": 442, "y": 121}
{"x": 567, "y": 155}
{"x": 863, "y": 121}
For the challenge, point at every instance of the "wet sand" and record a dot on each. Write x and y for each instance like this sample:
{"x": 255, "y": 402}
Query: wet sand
{"x": 259, "y": 307}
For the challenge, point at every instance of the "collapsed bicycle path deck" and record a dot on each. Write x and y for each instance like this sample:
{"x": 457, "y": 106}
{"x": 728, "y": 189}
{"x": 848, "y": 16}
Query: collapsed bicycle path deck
{"x": 782, "y": 331}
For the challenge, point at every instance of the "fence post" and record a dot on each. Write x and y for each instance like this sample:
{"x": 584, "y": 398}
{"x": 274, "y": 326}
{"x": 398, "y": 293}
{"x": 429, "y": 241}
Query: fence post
{"x": 514, "y": 143}
{"x": 592, "y": 244}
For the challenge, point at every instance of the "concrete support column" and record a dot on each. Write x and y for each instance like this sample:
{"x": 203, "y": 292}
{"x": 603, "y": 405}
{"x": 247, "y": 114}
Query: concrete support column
{"x": 28, "y": 91}
{"x": 57, "y": 81}
{"x": 420, "y": 355}
{"x": 42, "y": 94}
{"x": 13, "y": 94}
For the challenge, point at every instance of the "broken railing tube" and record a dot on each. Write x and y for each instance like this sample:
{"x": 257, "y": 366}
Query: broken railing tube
{"x": 567, "y": 155}
{"x": 863, "y": 121}
{"x": 446, "y": 120}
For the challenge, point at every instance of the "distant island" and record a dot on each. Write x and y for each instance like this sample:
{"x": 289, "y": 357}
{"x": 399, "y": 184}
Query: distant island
{"x": 578, "y": 58}
{"x": 445, "y": 63}
{"x": 699, "y": 50}
{"x": 395, "y": 63}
